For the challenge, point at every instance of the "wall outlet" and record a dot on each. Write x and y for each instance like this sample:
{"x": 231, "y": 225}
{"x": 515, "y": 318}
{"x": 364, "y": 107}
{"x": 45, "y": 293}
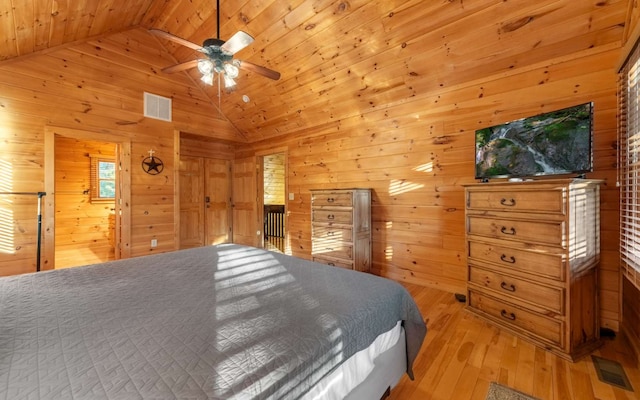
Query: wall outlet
{"x": 154, "y": 242}
{"x": 292, "y": 196}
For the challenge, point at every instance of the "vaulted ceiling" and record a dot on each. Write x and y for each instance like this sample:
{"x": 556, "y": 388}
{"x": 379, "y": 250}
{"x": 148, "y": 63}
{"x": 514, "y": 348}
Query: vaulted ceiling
{"x": 338, "y": 58}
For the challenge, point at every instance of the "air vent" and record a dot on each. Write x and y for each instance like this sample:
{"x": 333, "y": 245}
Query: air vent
{"x": 611, "y": 372}
{"x": 157, "y": 107}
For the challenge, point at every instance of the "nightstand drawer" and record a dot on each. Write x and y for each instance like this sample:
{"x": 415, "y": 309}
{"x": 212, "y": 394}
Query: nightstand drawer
{"x": 335, "y": 262}
{"x": 332, "y": 199}
{"x": 339, "y": 250}
{"x": 550, "y": 233}
{"x": 507, "y": 315}
{"x": 331, "y": 234}
{"x": 541, "y": 201}
{"x": 333, "y": 216}
{"x": 547, "y": 265}
{"x": 542, "y": 296}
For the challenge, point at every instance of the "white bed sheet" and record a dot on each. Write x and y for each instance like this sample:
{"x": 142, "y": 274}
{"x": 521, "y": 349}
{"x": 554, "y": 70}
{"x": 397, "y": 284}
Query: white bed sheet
{"x": 354, "y": 370}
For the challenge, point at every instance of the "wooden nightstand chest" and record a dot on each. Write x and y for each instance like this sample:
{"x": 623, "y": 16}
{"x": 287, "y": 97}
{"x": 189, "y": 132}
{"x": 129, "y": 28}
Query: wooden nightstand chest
{"x": 341, "y": 228}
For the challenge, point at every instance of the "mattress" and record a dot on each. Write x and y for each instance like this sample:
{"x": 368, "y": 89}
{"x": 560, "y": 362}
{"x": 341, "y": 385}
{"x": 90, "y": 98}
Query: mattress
{"x": 218, "y": 322}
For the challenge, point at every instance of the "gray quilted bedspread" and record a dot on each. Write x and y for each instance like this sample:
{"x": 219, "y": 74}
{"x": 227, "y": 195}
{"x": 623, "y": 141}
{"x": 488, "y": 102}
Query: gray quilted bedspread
{"x": 219, "y": 322}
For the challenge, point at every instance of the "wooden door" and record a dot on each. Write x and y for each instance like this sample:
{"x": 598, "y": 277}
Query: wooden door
{"x": 245, "y": 198}
{"x": 217, "y": 184}
{"x": 191, "y": 202}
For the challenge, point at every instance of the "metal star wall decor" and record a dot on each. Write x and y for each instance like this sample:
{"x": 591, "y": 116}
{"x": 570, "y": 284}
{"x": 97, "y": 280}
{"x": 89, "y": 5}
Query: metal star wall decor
{"x": 152, "y": 165}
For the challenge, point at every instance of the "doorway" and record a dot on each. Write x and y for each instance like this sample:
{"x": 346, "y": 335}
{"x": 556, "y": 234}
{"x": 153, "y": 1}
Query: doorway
{"x": 87, "y": 214}
{"x": 85, "y": 196}
{"x": 273, "y": 199}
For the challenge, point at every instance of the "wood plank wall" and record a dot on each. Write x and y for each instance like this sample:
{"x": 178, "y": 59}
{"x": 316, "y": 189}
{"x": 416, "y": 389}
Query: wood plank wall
{"x": 198, "y": 146}
{"x": 84, "y": 230}
{"x": 417, "y": 153}
{"x": 97, "y": 87}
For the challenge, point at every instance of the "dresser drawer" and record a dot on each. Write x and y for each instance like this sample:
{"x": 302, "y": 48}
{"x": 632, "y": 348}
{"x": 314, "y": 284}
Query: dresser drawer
{"x": 537, "y": 264}
{"x": 542, "y": 296}
{"x": 333, "y": 262}
{"x": 339, "y": 250}
{"x": 506, "y": 314}
{"x": 541, "y": 201}
{"x": 550, "y": 233}
{"x": 335, "y": 199}
{"x": 332, "y": 216}
{"x": 323, "y": 233}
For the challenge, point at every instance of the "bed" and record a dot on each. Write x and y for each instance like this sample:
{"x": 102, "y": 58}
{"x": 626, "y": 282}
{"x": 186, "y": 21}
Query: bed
{"x": 217, "y": 322}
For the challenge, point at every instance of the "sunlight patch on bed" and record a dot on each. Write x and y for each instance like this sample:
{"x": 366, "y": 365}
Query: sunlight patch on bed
{"x": 309, "y": 301}
{"x": 246, "y": 282}
{"x": 7, "y": 237}
{"x": 247, "y": 266}
{"x": 289, "y": 371}
{"x": 242, "y": 267}
{"x": 261, "y": 350}
{"x": 400, "y": 186}
{"x": 262, "y": 280}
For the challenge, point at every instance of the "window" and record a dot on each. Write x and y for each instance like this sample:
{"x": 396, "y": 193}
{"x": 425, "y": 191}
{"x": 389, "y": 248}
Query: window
{"x": 103, "y": 179}
{"x": 629, "y": 131}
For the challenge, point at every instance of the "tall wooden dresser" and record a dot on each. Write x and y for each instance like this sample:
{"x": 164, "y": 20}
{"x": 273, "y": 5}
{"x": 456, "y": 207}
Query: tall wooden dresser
{"x": 533, "y": 250}
{"x": 341, "y": 228}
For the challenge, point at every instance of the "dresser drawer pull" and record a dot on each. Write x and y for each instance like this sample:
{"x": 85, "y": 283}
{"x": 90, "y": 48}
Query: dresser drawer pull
{"x": 507, "y": 315}
{"x": 510, "y": 202}
{"x": 330, "y": 200}
{"x": 510, "y": 259}
{"x": 331, "y": 216}
{"x": 510, "y": 231}
{"x": 510, "y": 288}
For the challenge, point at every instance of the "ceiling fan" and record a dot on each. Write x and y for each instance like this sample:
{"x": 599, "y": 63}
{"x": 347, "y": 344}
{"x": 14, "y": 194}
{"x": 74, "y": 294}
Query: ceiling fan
{"x": 219, "y": 57}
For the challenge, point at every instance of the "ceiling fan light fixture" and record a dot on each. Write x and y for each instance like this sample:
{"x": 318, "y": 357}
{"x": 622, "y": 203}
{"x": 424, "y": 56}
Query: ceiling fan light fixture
{"x": 205, "y": 66}
{"x": 229, "y": 83}
{"x": 207, "y": 78}
{"x": 219, "y": 57}
{"x": 231, "y": 70}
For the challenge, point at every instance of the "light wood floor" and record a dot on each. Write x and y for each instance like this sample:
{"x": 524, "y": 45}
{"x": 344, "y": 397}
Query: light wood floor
{"x": 274, "y": 243}
{"x": 462, "y": 354}
{"x": 81, "y": 255}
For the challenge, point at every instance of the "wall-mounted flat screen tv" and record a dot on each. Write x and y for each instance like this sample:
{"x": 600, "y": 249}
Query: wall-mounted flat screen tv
{"x": 553, "y": 143}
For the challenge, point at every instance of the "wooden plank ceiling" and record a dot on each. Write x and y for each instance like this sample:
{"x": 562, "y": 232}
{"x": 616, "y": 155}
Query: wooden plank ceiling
{"x": 338, "y": 58}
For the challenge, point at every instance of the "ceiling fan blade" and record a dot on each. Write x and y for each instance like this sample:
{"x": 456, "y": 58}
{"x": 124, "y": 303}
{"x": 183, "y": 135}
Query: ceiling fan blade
{"x": 237, "y": 42}
{"x": 175, "y": 39}
{"x": 180, "y": 67}
{"x": 258, "y": 69}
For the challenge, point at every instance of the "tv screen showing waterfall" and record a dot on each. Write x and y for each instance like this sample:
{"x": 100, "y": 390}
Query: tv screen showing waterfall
{"x": 553, "y": 143}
